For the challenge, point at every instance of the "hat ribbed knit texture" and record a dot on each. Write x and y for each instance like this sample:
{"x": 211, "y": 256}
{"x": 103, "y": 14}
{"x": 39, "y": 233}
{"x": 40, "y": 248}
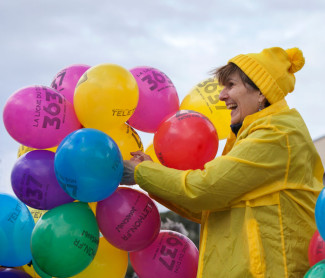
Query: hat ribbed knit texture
{"x": 272, "y": 70}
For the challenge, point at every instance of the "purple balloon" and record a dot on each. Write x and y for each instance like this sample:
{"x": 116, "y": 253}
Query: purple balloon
{"x": 34, "y": 182}
{"x": 13, "y": 273}
{"x": 66, "y": 80}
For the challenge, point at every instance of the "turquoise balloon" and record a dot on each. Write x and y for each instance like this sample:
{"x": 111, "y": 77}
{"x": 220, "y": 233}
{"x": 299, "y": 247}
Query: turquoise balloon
{"x": 88, "y": 165}
{"x": 320, "y": 213}
{"x": 65, "y": 240}
{"x": 317, "y": 271}
{"x": 16, "y": 226}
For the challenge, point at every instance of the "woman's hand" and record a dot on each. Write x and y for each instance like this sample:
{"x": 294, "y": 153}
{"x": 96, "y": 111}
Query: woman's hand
{"x": 129, "y": 167}
{"x": 140, "y": 156}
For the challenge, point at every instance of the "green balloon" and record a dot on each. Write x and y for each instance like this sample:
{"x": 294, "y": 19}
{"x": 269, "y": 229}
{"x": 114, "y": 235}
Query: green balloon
{"x": 39, "y": 271}
{"x": 317, "y": 271}
{"x": 65, "y": 240}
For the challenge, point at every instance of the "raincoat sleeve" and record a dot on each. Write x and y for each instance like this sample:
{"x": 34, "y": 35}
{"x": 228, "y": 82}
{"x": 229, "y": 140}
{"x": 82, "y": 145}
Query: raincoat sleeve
{"x": 261, "y": 158}
{"x": 189, "y": 214}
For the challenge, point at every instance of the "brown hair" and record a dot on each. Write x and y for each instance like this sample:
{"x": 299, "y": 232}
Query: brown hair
{"x": 222, "y": 75}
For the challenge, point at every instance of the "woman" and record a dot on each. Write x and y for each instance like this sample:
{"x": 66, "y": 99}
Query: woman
{"x": 256, "y": 202}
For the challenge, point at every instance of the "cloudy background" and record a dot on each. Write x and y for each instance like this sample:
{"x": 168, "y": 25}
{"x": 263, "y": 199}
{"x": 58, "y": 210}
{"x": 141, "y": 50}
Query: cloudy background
{"x": 183, "y": 38}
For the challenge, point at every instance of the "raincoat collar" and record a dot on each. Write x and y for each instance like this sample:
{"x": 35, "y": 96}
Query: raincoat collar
{"x": 272, "y": 109}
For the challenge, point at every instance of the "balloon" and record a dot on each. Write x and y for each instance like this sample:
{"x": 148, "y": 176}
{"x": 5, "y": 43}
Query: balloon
{"x": 319, "y": 213}
{"x": 126, "y": 138}
{"x": 170, "y": 255}
{"x": 39, "y": 271}
{"x": 93, "y": 207}
{"x": 106, "y": 95}
{"x": 128, "y": 219}
{"x": 186, "y": 140}
{"x": 65, "y": 240}
{"x": 316, "y": 249}
{"x": 108, "y": 262}
{"x": 88, "y": 165}
{"x": 65, "y": 80}
{"x": 150, "y": 150}
{"x": 16, "y": 225}
{"x": 158, "y": 99}
{"x": 34, "y": 182}
{"x": 23, "y": 149}
{"x": 317, "y": 271}
{"x": 39, "y": 117}
{"x": 13, "y": 273}
{"x": 36, "y": 213}
{"x": 204, "y": 98}
{"x": 29, "y": 268}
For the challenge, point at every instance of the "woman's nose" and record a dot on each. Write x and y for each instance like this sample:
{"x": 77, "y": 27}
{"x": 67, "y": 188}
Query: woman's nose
{"x": 223, "y": 94}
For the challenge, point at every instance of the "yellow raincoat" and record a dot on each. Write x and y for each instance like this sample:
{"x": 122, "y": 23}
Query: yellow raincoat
{"x": 255, "y": 203}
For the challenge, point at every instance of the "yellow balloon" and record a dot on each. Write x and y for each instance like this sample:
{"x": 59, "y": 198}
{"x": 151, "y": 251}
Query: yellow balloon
{"x": 30, "y": 270}
{"x": 36, "y": 213}
{"x": 108, "y": 262}
{"x": 150, "y": 150}
{"x": 126, "y": 138}
{"x": 105, "y": 96}
{"x": 93, "y": 206}
{"x": 204, "y": 98}
{"x": 23, "y": 149}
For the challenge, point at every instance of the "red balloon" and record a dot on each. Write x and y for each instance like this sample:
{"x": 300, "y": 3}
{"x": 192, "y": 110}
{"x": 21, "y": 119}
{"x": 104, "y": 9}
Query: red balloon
{"x": 186, "y": 140}
{"x": 171, "y": 255}
{"x": 128, "y": 219}
{"x": 316, "y": 250}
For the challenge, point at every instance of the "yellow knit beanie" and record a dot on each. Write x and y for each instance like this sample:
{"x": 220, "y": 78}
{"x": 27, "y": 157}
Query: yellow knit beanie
{"x": 272, "y": 70}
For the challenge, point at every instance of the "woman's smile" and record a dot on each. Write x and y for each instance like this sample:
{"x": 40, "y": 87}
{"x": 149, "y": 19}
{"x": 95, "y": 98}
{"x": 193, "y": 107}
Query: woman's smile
{"x": 240, "y": 98}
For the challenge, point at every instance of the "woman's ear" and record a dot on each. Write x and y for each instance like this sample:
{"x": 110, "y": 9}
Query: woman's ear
{"x": 261, "y": 98}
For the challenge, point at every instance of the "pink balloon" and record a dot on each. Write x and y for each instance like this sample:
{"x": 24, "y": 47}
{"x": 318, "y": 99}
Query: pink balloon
{"x": 158, "y": 98}
{"x": 316, "y": 249}
{"x": 39, "y": 117}
{"x": 128, "y": 219}
{"x": 171, "y": 255}
{"x": 65, "y": 80}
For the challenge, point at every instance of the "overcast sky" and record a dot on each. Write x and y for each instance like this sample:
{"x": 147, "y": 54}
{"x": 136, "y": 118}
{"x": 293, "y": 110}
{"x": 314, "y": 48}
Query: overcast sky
{"x": 183, "y": 38}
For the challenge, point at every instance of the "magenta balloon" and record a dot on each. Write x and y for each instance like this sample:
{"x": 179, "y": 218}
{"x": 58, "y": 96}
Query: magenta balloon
{"x": 171, "y": 255}
{"x": 128, "y": 219}
{"x": 34, "y": 182}
{"x": 65, "y": 80}
{"x": 158, "y": 99}
{"x": 39, "y": 117}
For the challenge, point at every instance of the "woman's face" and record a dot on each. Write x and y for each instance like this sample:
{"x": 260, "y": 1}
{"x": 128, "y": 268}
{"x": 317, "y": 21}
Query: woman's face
{"x": 240, "y": 99}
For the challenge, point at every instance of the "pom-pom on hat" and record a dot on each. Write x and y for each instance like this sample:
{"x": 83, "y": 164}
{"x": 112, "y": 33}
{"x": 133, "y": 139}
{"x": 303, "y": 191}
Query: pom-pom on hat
{"x": 272, "y": 70}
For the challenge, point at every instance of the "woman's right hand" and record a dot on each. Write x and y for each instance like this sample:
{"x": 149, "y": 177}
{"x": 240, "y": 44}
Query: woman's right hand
{"x": 140, "y": 156}
{"x": 129, "y": 167}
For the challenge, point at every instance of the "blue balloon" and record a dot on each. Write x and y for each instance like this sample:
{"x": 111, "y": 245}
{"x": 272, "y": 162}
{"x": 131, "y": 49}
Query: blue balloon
{"x": 16, "y": 226}
{"x": 320, "y": 213}
{"x": 88, "y": 165}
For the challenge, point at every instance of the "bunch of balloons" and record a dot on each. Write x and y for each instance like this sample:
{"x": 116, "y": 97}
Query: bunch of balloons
{"x": 73, "y": 137}
{"x": 316, "y": 249}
